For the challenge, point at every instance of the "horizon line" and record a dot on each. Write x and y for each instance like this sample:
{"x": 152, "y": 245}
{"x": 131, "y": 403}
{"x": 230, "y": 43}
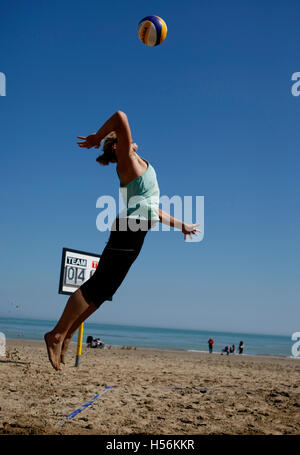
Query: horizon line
{"x": 157, "y": 327}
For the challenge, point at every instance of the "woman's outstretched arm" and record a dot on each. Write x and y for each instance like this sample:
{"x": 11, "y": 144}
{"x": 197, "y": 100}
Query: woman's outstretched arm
{"x": 186, "y": 229}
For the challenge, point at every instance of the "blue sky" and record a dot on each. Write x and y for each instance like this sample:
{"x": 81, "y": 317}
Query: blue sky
{"x": 211, "y": 109}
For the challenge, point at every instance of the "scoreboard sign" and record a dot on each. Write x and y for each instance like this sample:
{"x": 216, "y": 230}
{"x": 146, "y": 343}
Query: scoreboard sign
{"x": 76, "y": 268}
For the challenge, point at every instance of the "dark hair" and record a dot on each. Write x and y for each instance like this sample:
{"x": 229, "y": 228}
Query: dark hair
{"x": 109, "y": 154}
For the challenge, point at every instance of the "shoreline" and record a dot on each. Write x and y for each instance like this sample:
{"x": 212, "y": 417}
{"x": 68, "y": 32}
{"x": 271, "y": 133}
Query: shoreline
{"x": 128, "y": 347}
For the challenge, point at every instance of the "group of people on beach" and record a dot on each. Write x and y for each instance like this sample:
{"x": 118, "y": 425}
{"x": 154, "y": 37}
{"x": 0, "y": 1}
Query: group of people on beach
{"x": 227, "y": 349}
{"x": 94, "y": 342}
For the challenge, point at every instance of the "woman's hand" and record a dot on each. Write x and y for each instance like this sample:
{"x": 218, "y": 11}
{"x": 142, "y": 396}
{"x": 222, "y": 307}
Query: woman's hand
{"x": 89, "y": 141}
{"x": 189, "y": 229}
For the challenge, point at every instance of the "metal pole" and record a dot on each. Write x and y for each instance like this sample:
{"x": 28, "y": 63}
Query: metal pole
{"x": 79, "y": 345}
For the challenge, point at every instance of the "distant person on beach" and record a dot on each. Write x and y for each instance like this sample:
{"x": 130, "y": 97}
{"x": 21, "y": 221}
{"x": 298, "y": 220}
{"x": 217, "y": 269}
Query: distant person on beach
{"x": 100, "y": 343}
{"x": 241, "y": 347}
{"x": 225, "y": 350}
{"x": 232, "y": 349}
{"x": 210, "y": 345}
{"x": 89, "y": 341}
{"x": 128, "y": 231}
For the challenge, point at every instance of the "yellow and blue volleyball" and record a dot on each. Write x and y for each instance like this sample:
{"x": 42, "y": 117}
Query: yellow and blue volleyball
{"x": 152, "y": 30}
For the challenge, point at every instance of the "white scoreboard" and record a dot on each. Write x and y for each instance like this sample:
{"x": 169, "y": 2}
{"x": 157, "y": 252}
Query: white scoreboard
{"x": 76, "y": 268}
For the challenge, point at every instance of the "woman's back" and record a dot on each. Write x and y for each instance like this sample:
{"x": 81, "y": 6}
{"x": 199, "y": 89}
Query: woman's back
{"x": 141, "y": 194}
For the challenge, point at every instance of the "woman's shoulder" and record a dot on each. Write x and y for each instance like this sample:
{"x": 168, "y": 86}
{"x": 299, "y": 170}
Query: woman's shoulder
{"x": 131, "y": 168}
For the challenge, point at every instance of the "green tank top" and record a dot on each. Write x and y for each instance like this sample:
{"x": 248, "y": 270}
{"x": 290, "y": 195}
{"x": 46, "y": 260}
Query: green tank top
{"x": 141, "y": 197}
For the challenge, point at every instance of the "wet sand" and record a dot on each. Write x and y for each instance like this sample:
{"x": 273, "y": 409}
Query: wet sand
{"x": 216, "y": 394}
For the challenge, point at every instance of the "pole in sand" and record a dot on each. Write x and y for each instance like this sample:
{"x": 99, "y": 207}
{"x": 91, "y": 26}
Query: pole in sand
{"x": 79, "y": 345}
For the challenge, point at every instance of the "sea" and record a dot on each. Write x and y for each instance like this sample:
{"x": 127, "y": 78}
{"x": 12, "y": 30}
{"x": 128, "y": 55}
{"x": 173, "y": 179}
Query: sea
{"x": 154, "y": 337}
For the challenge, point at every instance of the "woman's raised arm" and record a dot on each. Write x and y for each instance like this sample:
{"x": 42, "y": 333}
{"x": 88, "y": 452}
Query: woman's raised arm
{"x": 118, "y": 123}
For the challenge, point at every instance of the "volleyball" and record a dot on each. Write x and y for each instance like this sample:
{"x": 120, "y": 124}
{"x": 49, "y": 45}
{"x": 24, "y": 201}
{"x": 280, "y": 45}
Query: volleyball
{"x": 152, "y": 30}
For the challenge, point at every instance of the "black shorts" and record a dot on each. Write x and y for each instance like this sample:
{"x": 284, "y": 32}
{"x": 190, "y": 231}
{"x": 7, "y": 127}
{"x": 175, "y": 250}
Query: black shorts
{"x": 122, "y": 249}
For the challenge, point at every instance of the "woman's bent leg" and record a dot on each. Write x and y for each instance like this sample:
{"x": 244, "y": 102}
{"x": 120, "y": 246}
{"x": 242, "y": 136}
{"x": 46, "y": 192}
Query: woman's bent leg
{"x": 119, "y": 254}
{"x": 76, "y": 309}
{"x": 73, "y": 329}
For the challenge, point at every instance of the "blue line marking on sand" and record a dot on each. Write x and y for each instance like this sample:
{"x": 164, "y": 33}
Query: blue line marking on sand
{"x": 84, "y": 406}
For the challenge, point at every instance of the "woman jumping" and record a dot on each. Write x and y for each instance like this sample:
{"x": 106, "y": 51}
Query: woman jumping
{"x": 127, "y": 235}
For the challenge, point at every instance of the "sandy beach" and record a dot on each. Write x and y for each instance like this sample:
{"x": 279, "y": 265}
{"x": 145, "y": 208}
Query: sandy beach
{"x": 216, "y": 394}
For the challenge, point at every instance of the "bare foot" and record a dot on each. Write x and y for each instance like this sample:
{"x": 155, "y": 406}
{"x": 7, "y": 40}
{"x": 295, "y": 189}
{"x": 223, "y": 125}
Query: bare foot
{"x": 64, "y": 349}
{"x": 53, "y": 348}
